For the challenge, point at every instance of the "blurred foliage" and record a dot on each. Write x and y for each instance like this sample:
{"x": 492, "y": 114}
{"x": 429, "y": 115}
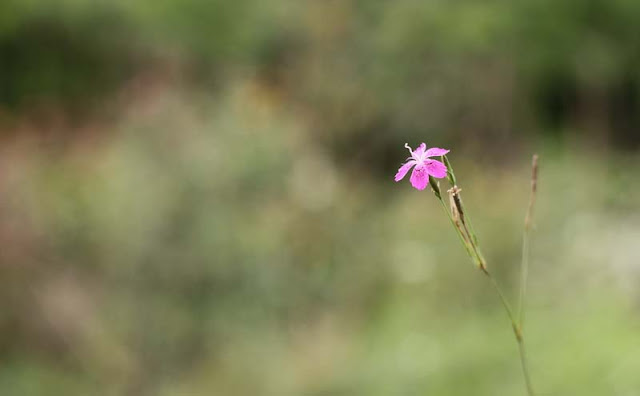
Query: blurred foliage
{"x": 197, "y": 196}
{"x": 489, "y": 71}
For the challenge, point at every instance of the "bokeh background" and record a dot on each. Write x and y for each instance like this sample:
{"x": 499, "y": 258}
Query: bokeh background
{"x": 197, "y": 196}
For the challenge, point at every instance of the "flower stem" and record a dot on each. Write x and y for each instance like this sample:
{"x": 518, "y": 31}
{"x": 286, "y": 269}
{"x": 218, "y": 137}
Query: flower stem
{"x": 526, "y": 238}
{"x": 459, "y": 219}
{"x": 525, "y": 366}
{"x": 463, "y": 240}
{"x": 463, "y": 233}
{"x": 517, "y": 332}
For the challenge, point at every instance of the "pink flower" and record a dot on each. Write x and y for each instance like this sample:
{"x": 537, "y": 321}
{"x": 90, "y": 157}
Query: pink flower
{"x": 424, "y": 166}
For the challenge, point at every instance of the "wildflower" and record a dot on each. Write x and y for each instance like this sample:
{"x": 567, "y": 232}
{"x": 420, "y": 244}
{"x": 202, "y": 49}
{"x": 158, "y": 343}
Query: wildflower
{"x": 424, "y": 166}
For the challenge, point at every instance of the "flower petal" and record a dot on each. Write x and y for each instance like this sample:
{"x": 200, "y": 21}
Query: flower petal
{"x": 435, "y": 168}
{"x": 435, "y": 152}
{"x": 404, "y": 169}
{"x": 419, "y": 178}
{"x": 417, "y": 153}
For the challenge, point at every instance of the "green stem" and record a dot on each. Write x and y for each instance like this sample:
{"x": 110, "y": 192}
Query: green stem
{"x": 526, "y": 239}
{"x": 524, "y": 273}
{"x": 474, "y": 245}
{"x": 525, "y": 366}
{"x": 469, "y": 240}
{"x": 470, "y": 231}
{"x": 463, "y": 240}
{"x": 517, "y": 332}
{"x": 505, "y": 303}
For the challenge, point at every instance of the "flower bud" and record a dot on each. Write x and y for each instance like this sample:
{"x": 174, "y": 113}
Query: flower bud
{"x": 450, "y": 175}
{"x": 435, "y": 187}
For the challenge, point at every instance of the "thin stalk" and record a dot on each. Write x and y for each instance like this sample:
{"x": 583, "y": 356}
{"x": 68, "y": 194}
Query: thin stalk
{"x": 474, "y": 244}
{"x": 452, "y": 180}
{"x": 524, "y": 274}
{"x": 463, "y": 234}
{"x": 469, "y": 240}
{"x": 472, "y": 231}
{"x": 517, "y": 332}
{"x": 505, "y": 304}
{"x": 525, "y": 366}
{"x": 460, "y": 214}
{"x": 526, "y": 240}
{"x": 463, "y": 240}
{"x": 466, "y": 242}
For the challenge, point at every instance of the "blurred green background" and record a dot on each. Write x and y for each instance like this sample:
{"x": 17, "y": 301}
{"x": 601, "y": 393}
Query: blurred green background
{"x": 197, "y": 196}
